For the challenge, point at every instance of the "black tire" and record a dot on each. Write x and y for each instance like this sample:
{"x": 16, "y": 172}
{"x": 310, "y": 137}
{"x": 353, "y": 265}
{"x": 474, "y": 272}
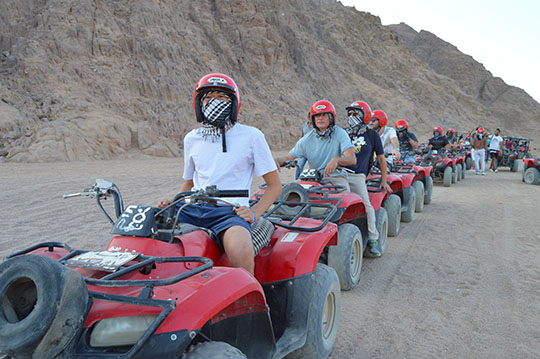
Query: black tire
{"x": 523, "y": 172}
{"x": 532, "y": 176}
{"x": 324, "y": 315}
{"x": 293, "y": 192}
{"x": 458, "y": 172}
{"x": 418, "y": 187}
{"x": 515, "y": 166}
{"x": 463, "y": 170}
{"x": 408, "y": 215}
{"x": 454, "y": 174}
{"x": 214, "y": 350}
{"x": 428, "y": 190}
{"x": 43, "y": 306}
{"x": 447, "y": 177}
{"x": 392, "y": 205}
{"x": 468, "y": 163}
{"x": 346, "y": 256}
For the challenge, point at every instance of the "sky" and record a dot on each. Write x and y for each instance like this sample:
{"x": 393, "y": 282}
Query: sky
{"x": 502, "y": 35}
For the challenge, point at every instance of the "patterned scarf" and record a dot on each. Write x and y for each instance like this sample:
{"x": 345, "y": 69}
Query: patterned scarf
{"x": 217, "y": 117}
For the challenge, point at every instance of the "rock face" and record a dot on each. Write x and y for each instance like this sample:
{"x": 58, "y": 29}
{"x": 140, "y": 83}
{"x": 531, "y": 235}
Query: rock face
{"x": 97, "y": 79}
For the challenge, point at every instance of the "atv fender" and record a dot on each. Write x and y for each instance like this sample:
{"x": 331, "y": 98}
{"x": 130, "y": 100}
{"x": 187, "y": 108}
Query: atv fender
{"x": 292, "y": 254}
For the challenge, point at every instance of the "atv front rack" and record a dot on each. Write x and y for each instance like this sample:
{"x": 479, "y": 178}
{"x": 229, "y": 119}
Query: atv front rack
{"x": 143, "y": 299}
{"x": 328, "y": 204}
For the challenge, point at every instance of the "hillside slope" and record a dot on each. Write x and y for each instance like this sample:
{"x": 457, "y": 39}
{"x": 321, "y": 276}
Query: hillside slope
{"x": 99, "y": 79}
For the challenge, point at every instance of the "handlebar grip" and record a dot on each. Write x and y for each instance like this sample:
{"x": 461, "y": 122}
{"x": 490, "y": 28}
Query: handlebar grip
{"x": 233, "y": 193}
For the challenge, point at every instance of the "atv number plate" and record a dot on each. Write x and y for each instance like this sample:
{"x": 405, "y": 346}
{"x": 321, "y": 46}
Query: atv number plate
{"x": 104, "y": 261}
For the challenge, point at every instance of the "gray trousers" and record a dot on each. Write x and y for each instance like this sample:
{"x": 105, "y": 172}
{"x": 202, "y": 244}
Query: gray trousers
{"x": 337, "y": 181}
{"x": 357, "y": 182}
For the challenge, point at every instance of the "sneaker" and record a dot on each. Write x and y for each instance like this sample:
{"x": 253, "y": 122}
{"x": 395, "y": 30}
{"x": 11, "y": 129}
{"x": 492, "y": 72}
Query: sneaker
{"x": 496, "y": 171}
{"x": 374, "y": 248}
{"x": 483, "y": 173}
{"x": 477, "y": 173}
{"x": 492, "y": 170}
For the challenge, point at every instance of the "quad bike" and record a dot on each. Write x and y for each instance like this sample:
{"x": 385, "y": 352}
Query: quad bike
{"x": 401, "y": 181}
{"x": 531, "y": 170}
{"x": 346, "y": 255}
{"x": 422, "y": 173}
{"x": 460, "y": 164}
{"x": 510, "y": 153}
{"x": 443, "y": 167}
{"x": 163, "y": 289}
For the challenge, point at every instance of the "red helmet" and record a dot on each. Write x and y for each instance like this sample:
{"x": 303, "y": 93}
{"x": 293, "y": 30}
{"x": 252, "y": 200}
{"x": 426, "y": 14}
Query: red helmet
{"x": 381, "y": 116}
{"x": 401, "y": 124}
{"x": 323, "y": 106}
{"x": 216, "y": 82}
{"x": 480, "y": 130}
{"x": 468, "y": 137}
{"x": 362, "y": 107}
{"x": 438, "y": 128}
{"x": 451, "y": 130}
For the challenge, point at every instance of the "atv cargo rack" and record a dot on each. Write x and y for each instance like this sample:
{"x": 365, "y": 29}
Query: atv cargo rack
{"x": 143, "y": 299}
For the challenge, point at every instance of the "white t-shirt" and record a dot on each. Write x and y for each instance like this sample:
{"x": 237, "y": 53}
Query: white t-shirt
{"x": 386, "y": 139}
{"x": 206, "y": 164}
{"x": 495, "y": 143}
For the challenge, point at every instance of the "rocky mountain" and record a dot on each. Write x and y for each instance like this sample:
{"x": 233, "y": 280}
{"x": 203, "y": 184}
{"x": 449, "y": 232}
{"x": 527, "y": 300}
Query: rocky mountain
{"x": 97, "y": 79}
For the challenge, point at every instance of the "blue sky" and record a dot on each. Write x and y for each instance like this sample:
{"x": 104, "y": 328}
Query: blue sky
{"x": 502, "y": 35}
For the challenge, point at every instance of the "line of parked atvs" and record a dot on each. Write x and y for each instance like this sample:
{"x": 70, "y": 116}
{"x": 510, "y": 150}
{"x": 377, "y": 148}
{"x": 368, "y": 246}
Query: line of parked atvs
{"x": 163, "y": 289}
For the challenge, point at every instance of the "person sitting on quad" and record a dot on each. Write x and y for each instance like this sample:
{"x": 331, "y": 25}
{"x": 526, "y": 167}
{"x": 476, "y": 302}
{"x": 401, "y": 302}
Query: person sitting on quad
{"x": 451, "y": 137}
{"x": 326, "y": 147}
{"x": 408, "y": 143}
{"x": 366, "y": 142}
{"x": 388, "y": 134}
{"x": 438, "y": 141}
{"x": 225, "y": 153}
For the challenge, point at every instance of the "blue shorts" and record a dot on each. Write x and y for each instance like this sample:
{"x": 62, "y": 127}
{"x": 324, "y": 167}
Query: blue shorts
{"x": 215, "y": 218}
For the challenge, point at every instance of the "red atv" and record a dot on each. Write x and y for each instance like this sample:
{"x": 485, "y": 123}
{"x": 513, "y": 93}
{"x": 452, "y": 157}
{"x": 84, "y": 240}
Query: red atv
{"x": 165, "y": 290}
{"x": 531, "y": 170}
{"x": 460, "y": 168}
{"x": 345, "y": 255}
{"x": 442, "y": 166}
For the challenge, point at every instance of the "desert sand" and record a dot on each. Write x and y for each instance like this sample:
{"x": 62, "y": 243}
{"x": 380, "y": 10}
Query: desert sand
{"x": 461, "y": 281}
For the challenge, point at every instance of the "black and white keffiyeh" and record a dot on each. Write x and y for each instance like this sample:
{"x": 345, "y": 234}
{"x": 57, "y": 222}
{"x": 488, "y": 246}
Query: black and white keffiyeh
{"x": 356, "y": 122}
{"x": 324, "y": 134}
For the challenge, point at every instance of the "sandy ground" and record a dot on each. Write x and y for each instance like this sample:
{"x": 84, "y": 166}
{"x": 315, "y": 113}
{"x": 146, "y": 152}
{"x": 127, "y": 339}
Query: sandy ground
{"x": 461, "y": 281}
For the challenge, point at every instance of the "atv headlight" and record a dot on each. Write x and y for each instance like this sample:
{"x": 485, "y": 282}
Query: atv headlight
{"x": 120, "y": 331}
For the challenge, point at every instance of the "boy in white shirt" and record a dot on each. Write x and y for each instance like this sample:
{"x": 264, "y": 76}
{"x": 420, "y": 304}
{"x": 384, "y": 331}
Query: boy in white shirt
{"x": 388, "y": 134}
{"x": 225, "y": 153}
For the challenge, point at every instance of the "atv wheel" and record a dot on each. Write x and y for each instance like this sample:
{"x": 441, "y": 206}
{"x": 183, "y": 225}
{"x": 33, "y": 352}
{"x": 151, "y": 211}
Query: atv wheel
{"x": 292, "y": 192}
{"x": 393, "y": 211}
{"x": 42, "y": 306}
{"x": 515, "y": 166}
{"x": 324, "y": 315}
{"x": 463, "y": 170}
{"x": 447, "y": 177}
{"x": 454, "y": 174}
{"x": 418, "y": 187}
{"x": 408, "y": 215}
{"x": 468, "y": 163}
{"x": 346, "y": 256}
{"x": 523, "y": 172}
{"x": 428, "y": 190}
{"x": 532, "y": 176}
{"x": 214, "y": 350}
{"x": 458, "y": 172}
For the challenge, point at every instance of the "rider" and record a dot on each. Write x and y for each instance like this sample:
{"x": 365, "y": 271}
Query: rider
{"x": 408, "y": 142}
{"x": 225, "y": 153}
{"x": 388, "y": 134}
{"x": 451, "y": 137}
{"x": 326, "y": 147}
{"x": 438, "y": 141}
{"x": 366, "y": 142}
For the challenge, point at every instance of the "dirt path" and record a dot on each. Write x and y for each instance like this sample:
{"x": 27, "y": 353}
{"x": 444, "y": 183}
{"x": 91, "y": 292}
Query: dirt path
{"x": 461, "y": 281}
